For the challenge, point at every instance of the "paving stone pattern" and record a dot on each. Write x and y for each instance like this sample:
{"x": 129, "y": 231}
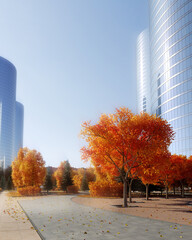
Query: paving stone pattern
{"x": 57, "y": 217}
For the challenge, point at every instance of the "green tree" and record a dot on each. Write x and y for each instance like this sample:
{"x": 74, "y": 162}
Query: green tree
{"x": 1, "y": 172}
{"x": 8, "y": 178}
{"x": 5, "y": 178}
{"x": 84, "y": 184}
{"x": 1, "y": 177}
{"x": 66, "y": 179}
{"x": 9, "y": 183}
{"x": 3, "y": 182}
{"x": 48, "y": 184}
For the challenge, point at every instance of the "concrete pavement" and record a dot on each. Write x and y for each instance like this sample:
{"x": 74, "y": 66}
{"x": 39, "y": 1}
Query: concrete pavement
{"x": 57, "y": 217}
{"x": 14, "y": 225}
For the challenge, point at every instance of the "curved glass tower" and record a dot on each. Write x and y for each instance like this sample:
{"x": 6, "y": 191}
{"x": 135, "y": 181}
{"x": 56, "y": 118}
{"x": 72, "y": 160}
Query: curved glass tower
{"x": 11, "y": 115}
{"x": 171, "y": 68}
{"x": 143, "y": 73}
{"x": 7, "y": 111}
{"x": 19, "y": 117}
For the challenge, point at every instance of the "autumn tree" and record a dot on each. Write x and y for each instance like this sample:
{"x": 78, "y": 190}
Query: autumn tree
{"x": 79, "y": 174}
{"x": 58, "y": 174}
{"x": 164, "y": 171}
{"x": 189, "y": 171}
{"x": 105, "y": 185}
{"x": 28, "y": 171}
{"x": 122, "y": 141}
{"x": 77, "y": 180}
{"x": 181, "y": 170}
{"x": 156, "y": 171}
{"x": 148, "y": 176}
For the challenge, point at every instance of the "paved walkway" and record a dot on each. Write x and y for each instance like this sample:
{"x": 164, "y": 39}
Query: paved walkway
{"x": 14, "y": 224}
{"x": 57, "y": 217}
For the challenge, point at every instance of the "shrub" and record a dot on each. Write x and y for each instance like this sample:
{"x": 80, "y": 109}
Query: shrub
{"x": 29, "y": 191}
{"x": 0, "y": 189}
{"x": 72, "y": 189}
{"x": 106, "y": 189}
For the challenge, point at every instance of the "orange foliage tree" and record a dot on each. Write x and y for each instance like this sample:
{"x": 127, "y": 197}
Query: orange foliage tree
{"x": 78, "y": 176}
{"x": 165, "y": 172}
{"x": 106, "y": 188}
{"x": 61, "y": 177}
{"x": 28, "y": 171}
{"x": 105, "y": 185}
{"x": 181, "y": 170}
{"x": 120, "y": 142}
{"x": 77, "y": 179}
{"x": 156, "y": 171}
{"x": 189, "y": 171}
{"x": 58, "y": 175}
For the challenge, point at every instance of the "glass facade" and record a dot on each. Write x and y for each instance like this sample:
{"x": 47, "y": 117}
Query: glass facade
{"x": 143, "y": 73}
{"x": 19, "y": 117}
{"x": 171, "y": 68}
{"x": 7, "y": 112}
{"x": 7, "y": 117}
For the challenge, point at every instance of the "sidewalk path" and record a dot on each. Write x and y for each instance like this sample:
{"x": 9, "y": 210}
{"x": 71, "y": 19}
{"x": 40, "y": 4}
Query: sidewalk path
{"x": 14, "y": 224}
{"x": 57, "y": 217}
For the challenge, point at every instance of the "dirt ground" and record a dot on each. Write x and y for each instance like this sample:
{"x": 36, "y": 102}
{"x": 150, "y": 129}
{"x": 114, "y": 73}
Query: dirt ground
{"x": 176, "y": 210}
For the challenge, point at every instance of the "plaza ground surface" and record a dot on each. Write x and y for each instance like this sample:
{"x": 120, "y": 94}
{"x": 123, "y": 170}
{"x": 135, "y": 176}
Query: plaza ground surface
{"x": 59, "y": 217}
{"x": 14, "y": 225}
{"x": 174, "y": 209}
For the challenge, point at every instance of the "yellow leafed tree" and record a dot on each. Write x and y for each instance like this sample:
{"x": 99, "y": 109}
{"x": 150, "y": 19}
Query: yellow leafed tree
{"x": 58, "y": 174}
{"x": 28, "y": 171}
{"x": 78, "y": 176}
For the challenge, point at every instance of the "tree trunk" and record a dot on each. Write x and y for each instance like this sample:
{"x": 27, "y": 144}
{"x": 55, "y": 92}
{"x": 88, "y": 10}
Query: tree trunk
{"x": 174, "y": 190}
{"x": 166, "y": 192}
{"x": 125, "y": 194}
{"x": 147, "y": 191}
{"x": 130, "y": 198}
{"x": 182, "y": 190}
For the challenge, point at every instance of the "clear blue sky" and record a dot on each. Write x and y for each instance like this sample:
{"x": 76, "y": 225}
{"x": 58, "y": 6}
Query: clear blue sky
{"x": 75, "y": 59}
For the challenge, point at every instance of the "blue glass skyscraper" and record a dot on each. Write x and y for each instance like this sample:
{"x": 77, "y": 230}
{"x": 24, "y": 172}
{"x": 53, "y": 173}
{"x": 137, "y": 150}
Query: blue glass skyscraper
{"x": 171, "y": 68}
{"x": 143, "y": 73}
{"x": 170, "y": 39}
{"x": 19, "y": 118}
{"x": 7, "y": 112}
